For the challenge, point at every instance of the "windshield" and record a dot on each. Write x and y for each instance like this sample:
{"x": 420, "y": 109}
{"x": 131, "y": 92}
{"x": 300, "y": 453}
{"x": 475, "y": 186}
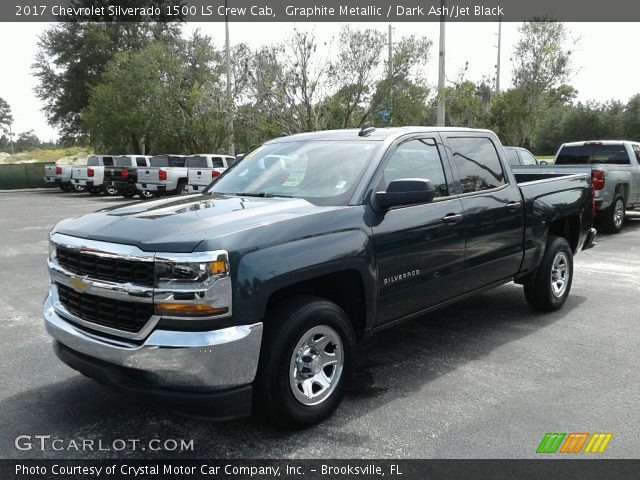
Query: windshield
{"x": 593, "y": 153}
{"x": 167, "y": 161}
{"x": 123, "y": 162}
{"x": 322, "y": 171}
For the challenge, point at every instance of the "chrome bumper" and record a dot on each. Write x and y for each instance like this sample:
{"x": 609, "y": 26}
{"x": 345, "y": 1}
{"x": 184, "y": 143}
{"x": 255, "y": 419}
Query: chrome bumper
{"x": 217, "y": 359}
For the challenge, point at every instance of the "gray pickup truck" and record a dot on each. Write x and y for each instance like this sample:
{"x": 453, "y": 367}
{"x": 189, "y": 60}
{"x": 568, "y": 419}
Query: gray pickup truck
{"x": 614, "y": 166}
{"x": 257, "y": 291}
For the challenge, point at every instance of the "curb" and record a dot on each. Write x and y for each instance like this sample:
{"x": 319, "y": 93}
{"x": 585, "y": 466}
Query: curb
{"x": 23, "y": 190}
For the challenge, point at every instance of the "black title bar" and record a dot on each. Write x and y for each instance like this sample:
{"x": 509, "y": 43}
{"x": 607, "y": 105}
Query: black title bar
{"x": 319, "y": 10}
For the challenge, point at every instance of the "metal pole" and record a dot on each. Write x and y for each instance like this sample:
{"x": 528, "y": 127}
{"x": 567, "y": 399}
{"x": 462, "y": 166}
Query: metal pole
{"x": 499, "y": 51}
{"x": 390, "y": 65}
{"x": 11, "y": 139}
{"x": 441, "y": 106}
{"x": 232, "y": 147}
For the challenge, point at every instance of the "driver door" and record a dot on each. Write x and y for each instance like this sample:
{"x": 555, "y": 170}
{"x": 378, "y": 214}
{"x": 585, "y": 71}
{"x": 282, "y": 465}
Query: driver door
{"x": 419, "y": 249}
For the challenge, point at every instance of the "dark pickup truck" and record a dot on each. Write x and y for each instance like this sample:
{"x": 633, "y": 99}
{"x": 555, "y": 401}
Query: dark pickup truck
{"x": 122, "y": 177}
{"x": 259, "y": 289}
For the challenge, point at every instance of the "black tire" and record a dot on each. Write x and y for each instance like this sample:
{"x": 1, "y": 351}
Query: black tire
{"x": 287, "y": 325}
{"x": 110, "y": 191}
{"x": 180, "y": 187}
{"x": 127, "y": 193}
{"x": 612, "y": 219}
{"x": 64, "y": 188}
{"x": 79, "y": 188}
{"x": 146, "y": 194}
{"x": 542, "y": 292}
{"x": 95, "y": 191}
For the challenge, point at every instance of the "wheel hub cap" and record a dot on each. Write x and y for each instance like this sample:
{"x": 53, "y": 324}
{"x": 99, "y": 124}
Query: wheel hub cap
{"x": 560, "y": 273}
{"x": 316, "y": 365}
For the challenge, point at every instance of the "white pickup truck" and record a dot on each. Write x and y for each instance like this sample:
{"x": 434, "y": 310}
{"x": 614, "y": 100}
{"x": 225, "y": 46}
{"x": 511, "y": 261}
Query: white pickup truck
{"x": 204, "y": 169}
{"x": 167, "y": 174}
{"x": 91, "y": 175}
{"x": 58, "y": 174}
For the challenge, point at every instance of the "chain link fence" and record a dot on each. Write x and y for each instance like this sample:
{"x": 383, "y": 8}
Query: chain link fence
{"x": 22, "y": 175}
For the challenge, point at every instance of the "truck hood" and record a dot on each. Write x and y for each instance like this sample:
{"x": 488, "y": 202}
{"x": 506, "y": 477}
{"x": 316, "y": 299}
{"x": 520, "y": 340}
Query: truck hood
{"x": 180, "y": 224}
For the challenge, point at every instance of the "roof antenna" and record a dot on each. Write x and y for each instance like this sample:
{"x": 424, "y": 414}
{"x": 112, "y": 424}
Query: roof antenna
{"x": 366, "y": 130}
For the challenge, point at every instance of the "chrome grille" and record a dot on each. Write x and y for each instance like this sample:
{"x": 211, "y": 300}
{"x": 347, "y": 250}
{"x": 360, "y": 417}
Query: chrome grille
{"x": 121, "y": 315}
{"x": 106, "y": 268}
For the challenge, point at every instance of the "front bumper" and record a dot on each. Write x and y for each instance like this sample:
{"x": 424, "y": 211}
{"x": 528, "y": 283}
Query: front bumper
{"x": 191, "y": 361}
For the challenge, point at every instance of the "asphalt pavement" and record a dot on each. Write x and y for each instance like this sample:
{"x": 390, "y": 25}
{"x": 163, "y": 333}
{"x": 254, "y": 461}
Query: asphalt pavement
{"x": 485, "y": 378}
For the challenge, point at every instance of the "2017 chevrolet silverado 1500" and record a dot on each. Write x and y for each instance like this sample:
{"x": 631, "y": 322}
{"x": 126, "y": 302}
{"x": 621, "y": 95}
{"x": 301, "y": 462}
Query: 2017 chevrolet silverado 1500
{"x": 614, "y": 166}
{"x": 122, "y": 177}
{"x": 167, "y": 174}
{"x": 204, "y": 169}
{"x": 261, "y": 287}
{"x": 91, "y": 175}
{"x": 60, "y": 175}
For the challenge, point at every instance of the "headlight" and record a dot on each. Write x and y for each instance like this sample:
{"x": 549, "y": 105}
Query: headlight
{"x": 193, "y": 285}
{"x": 53, "y": 250}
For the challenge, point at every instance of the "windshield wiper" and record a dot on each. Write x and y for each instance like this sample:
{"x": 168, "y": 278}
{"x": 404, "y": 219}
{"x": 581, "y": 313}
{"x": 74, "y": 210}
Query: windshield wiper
{"x": 260, "y": 194}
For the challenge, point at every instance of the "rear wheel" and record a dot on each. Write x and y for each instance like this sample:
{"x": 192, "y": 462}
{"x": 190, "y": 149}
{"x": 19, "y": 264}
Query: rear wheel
{"x": 612, "y": 218}
{"x": 550, "y": 285}
{"x": 181, "y": 186}
{"x": 128, "y": 193}
{"x": 79, "y": 188}
{"x": 305, "y": 362}
{"x": 110, "y": 190}
{"x": 185, "y": 190}
{"x": 146, "y": 194}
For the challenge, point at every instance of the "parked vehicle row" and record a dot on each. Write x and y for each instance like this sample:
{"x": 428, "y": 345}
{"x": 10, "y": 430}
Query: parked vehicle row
{"x": 146, "y": 176}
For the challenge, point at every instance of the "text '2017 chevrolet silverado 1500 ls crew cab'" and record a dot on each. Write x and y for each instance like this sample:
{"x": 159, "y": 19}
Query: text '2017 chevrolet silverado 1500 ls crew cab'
{"x": 261, "y": 287}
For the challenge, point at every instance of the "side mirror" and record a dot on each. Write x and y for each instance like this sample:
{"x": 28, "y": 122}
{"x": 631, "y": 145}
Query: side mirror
{"x": 543, "y": 162}
{"x": 406, "y": 191}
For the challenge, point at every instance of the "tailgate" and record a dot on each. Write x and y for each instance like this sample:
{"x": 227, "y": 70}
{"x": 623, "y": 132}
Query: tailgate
{"x": 79, "y": 173}
{"x": 112, "y": 173}
{"x": 148, "y": 175}
{"x": 200, "y": 176}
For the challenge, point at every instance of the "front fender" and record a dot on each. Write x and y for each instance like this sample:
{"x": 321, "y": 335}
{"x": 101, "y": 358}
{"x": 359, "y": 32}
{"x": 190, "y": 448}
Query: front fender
{"x": 261, "y": 273}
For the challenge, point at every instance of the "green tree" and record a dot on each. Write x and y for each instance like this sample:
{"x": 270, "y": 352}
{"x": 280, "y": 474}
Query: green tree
{"x": 541, "y": 62}
{"x": 167, "y": 97}
{"x": 631, "y": 117}
{"x": 72, "y": 57}
{"x": 6, "y": 121}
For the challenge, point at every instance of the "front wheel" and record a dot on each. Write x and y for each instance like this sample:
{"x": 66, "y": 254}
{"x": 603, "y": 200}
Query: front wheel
{"x": 95, "y": 191}
{"x": 305, "y": 362}
{"x": 550, "y": 285}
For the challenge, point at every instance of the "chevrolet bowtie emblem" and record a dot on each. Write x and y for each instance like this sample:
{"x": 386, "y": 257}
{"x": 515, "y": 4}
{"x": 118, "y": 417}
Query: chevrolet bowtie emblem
{"x": 79, "y": 285}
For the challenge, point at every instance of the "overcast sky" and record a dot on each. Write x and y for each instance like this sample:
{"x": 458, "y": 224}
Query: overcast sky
{"x": 601, "y": 60}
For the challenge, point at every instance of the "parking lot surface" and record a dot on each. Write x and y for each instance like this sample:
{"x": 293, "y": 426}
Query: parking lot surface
{"x": 487, "y": 377}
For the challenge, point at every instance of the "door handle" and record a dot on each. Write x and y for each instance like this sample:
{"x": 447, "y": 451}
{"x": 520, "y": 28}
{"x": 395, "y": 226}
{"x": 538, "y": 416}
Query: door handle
{"x": 513, "y": 206}
{"x": 452, "y": 218}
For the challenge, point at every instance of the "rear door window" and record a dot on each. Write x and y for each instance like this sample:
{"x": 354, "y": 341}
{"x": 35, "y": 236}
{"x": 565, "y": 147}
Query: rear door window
{"x": 527, "y": 158}
{"x": 512, "y": 155}
{"x": 478, "y": 163}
